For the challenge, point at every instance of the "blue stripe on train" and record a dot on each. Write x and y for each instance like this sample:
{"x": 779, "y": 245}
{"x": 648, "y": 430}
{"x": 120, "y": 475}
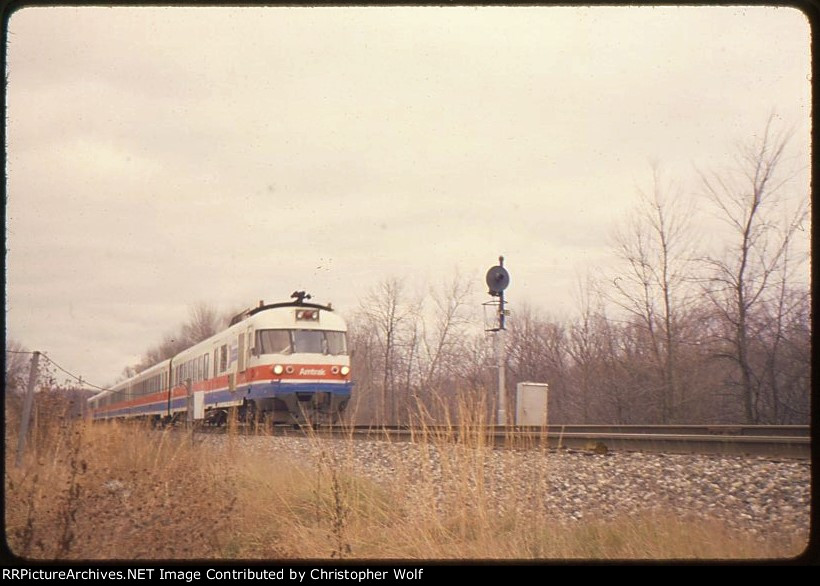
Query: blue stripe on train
{"x": 254, "y": 391}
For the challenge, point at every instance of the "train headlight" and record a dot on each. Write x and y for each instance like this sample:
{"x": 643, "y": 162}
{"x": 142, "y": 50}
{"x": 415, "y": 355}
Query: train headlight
{"x": 307, "y": 315}
{"x": 345, "y": 370}
{"x": 278, "y": 369}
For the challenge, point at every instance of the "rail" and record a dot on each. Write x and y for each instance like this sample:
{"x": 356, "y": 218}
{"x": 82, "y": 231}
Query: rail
{"x": 779, "y": 441}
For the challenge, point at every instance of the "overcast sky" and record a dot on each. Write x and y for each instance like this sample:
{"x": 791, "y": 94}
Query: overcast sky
{"x": 161, "y": 157}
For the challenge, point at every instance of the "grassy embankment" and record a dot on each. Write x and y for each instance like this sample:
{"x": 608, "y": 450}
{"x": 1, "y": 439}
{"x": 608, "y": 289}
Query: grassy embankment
{"x": 123, "y": 491}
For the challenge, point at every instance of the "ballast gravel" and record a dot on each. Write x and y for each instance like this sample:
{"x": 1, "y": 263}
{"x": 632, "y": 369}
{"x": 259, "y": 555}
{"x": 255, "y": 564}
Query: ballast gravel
{"x": 764, "y": 497}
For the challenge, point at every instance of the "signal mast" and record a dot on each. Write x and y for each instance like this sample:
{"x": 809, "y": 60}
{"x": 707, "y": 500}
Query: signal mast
{"x": 497, "y": 280}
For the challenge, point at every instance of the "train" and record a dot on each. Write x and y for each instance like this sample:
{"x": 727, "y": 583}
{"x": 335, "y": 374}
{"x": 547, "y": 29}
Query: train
{"x": 280, "y": 363}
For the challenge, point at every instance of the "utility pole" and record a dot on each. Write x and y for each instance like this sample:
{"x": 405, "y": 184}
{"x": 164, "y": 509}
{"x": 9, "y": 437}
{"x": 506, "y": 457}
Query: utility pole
{"x": 32, "y": 379}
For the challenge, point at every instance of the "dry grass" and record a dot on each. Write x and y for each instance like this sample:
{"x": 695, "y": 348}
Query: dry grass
{"x": 124, "y": 491}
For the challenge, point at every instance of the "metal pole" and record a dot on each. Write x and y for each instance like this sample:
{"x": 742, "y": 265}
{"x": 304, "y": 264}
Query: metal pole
{"x": 32, "y": 379}
{"x": 502, "y": 395}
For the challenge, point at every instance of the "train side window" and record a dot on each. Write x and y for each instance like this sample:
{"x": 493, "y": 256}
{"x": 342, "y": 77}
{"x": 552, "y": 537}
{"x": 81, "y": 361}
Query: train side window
{"x": 223, "y": 358}
{"x": 205, "y": 369}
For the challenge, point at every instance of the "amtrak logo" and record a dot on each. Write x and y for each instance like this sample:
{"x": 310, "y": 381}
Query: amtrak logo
{"x": 313, "y": 371}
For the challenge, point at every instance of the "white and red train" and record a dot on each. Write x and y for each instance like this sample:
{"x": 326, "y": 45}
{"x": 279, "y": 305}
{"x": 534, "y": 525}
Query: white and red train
{"x": 284, "y": 362}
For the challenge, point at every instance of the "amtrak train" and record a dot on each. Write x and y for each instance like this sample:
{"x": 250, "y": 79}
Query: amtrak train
{"x": 282, "y": 363}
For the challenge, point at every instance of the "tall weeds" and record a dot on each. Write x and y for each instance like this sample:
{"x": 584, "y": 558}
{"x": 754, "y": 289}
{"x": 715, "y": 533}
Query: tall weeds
{"x": 121, "y": 490}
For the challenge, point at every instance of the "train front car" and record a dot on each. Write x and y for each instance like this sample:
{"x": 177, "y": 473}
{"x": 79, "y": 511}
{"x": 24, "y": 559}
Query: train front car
{"x": 297, "y": 367}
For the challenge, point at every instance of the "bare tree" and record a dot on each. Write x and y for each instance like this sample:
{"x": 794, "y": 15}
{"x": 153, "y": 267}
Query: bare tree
{"x": 203, "y": 322}
{"x": 17, "y": 359}
{"x": 537, "y": 352}
{"x": 364, "y": 363}
{"x": 780, "y": 333}
{"x": 443, "y": 342}
{"x": 586, "y": 347}
{"x": 652, "y": 287}
{"x": 741, "y": 279}
{"x": 386, "y": 311}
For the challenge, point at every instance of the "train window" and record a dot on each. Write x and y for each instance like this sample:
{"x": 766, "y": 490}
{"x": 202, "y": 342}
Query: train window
{"x": 273, "y": 341}
{"x": 205, "y": 359}
{"x": 223, "y": 358}
{"x": 336, "y": 343}
{"x": 310, "y": 341}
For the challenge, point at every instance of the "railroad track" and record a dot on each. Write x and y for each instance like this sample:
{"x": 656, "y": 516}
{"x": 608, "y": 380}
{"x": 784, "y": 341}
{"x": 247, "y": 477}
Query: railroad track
{"x": 779, "y": 441}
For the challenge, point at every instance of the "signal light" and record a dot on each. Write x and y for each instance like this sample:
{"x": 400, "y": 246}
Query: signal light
{"x": 278, "y": 369}
{"x": 307, "y": 315}
{"x": 345, "y": 370}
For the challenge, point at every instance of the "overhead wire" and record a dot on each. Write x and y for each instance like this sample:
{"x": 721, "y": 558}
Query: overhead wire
{"x": 71, "y": 374}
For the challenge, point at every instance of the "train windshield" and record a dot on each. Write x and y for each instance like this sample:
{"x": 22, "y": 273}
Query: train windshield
{"x": 336, "y": 343}
{"x": 308, "y": 341}
{"x": 273, "y": 341}
{"x": 303, "y": 341}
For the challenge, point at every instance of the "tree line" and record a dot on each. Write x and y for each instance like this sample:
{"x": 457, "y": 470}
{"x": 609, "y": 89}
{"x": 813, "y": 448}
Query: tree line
{"x": 679, "y": 330}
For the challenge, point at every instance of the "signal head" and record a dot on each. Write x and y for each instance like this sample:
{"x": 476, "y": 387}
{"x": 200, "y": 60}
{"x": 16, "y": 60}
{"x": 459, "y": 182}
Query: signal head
{"x": 498, "y": 279}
